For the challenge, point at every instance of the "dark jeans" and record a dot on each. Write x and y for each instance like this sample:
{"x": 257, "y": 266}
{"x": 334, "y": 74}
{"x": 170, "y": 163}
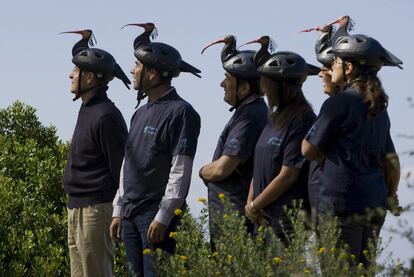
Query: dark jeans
{"x": 134, "y": 233}
{"x": 357, "y": 233}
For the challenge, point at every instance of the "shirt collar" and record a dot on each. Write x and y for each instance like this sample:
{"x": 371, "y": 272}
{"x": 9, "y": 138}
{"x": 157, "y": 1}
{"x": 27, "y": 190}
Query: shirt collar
{"x": 168, "y": 95}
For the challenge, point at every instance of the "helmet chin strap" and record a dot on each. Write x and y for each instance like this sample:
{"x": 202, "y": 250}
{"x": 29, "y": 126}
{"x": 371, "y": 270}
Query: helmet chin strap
{"x": 238, "y": 100}
{"x": 79, "y": 90}
{"x": 344, "y": 73}
{"x": 143, "y": 92}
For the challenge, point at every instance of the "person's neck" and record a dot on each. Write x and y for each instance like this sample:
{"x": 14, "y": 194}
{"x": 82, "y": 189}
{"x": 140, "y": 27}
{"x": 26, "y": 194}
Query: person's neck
{"x": 88, "y": 95}
{"x": 157, "y": 92}
{"x": 249, "y": 99}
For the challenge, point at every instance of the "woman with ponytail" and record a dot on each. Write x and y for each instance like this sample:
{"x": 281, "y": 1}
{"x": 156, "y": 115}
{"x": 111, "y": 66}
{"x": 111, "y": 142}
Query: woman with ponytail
{"x": 280, "y": 170}
{"x": 351, "y": 141}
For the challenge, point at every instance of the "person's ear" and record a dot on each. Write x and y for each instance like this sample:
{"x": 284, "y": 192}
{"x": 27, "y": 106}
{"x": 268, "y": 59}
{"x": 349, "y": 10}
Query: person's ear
{"x": 349, "y": 67}
{"x": 152, "y": 74}
{"x": 244, "y": 89}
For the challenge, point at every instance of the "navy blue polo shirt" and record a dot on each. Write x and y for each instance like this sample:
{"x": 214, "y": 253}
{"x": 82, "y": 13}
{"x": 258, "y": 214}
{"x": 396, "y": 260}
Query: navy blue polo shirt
{"x": 238, "y": 139}
{"x": 159, "y": 131}
{"x": 279, "y": 147}
{"x": 351, "y": 176}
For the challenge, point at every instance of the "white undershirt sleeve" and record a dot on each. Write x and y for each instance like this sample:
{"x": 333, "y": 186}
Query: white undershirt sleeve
{"x": 177, "y": 188}
{"x": 117, "y": 203}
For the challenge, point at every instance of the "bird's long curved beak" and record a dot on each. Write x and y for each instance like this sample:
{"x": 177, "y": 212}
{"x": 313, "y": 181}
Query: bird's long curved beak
{"x": 134, "y": 24}
{"x": 250, "y": 42}
{"x": 80, "y": 32}
{"x": 321, "y": 28}
{"x": 212, "y": 43}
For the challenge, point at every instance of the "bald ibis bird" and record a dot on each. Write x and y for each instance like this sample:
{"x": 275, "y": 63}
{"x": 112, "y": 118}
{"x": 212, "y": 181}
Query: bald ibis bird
{"x": 88, "y": 39}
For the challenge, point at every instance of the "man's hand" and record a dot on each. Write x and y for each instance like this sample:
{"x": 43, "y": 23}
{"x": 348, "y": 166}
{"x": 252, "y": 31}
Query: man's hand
{"x": 156, "y": 232}
{"x": 394, "y": 205}
{"x": 255, "y": 216}
{"x": 115, "y": 228}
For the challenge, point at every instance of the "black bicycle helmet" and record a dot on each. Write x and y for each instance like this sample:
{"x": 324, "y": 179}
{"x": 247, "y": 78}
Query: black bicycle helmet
{"x": 287, "y": 66}
{"x": 242, "y": 65}
{"x": 160, "y": 56}
{"x": 365, "y": 50}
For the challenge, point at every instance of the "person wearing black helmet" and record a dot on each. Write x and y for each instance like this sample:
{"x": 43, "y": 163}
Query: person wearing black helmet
{"x": 351, "y": 140}
{"x": 91, "y": 176}
{"x": 231, "y": 170}
{"x": 280, "y": 171}
{"x": 159, "y": 154}
{"x": 324, "y": 55}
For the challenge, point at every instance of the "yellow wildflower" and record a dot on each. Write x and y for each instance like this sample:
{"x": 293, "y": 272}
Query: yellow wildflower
{"x": 172, "y": 235}
{"x": 398, "y": 265}
{"x": 353, "y": 257}
{"x": 307, "y": 271}
{"x": 260, "y": 229}
{"x": 346, "y": 269}
{"x": 277, "y": 260}
{"x": 202, "y": 200}
{"x": 322, "y": 250}
{"x": 333, "y": 250}
{"x": 259, "y": 240}
{"x": 360, "y": 265}
{"x": 183, "y": 258}
{"x": 225, "y": 216}
{"x": 146, "y": 251}
{"x": 221, "y": 196}
{"x": 302, "y": 261}
{"x": 217, "y": 273}
{"x": 365, "y": 252}
{"x": 215, "y": 254}
{"x": 178, "y": 212}
{"x": 230, "y": 259}
{"x": 343, "y": 256}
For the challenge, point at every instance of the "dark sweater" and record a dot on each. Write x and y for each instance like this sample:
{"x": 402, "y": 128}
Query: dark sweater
{"x": 97, "y": 150}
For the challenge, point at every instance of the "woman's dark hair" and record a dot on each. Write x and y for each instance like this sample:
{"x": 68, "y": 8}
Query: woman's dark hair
{"x": 288, "y": 99}
{"x": 365, "y": 81}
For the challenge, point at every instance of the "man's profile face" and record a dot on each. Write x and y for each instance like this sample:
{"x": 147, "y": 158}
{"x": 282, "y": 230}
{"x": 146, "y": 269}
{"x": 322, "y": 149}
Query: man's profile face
{"x": 74, "y": 76}
{"x": 136, "y": 73}
{"x": 229, "y": 86}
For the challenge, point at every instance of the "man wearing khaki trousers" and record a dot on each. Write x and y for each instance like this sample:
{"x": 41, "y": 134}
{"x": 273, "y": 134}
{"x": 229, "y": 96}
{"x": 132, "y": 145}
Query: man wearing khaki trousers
{"x": 91, "y": 176}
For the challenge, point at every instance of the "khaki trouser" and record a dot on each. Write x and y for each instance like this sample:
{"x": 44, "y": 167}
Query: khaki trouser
{"x": 90, "y": 247}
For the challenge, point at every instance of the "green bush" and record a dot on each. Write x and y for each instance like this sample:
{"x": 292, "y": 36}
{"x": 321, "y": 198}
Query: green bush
{"x": 33, "y": 217}
{"x": 237, "y": 253}
{"x": 32, "y": 202}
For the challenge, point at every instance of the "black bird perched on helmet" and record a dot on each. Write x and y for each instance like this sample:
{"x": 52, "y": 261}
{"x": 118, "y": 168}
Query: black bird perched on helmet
{"x": 91, "y": 176}
{"x": 95, "y": 60}
{"x": 160, "y": 56}
{"x": 230, "y": 171}
{"x": 324, "y": 45}
{"x": 239, "y": 64}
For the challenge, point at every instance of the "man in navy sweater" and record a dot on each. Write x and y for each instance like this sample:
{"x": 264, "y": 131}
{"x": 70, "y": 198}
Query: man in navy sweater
{"x": 91, "y": 176}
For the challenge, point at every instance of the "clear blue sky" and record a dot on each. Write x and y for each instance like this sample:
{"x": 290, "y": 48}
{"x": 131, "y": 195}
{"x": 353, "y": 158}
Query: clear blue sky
{"x": 36, "y": 62}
